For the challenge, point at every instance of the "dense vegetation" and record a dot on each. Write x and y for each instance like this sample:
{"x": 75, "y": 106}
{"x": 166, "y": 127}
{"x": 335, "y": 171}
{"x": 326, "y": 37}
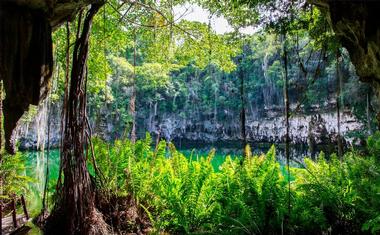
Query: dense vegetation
{"x": 188, "y": 195}
{"x": 198, "y": 79}
{"x": 180, "y": 194}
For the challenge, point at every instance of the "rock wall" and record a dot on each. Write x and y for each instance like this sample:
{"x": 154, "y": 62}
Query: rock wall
{"x": 304, "y": 129}
{"x": 33, "y": 134}
{"x": 314, "y": 129}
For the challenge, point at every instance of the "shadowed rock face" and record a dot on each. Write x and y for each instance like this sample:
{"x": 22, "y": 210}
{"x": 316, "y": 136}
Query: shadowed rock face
{"x": 357, "y": 26}
{"x": 57, "y": 11}
{"x": 26, "y": 60}
{"x": 26, "y": 63}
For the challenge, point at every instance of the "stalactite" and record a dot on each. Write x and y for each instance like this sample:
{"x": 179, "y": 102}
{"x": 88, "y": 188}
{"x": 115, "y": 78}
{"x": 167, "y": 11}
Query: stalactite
{"x": 26, "y": 63}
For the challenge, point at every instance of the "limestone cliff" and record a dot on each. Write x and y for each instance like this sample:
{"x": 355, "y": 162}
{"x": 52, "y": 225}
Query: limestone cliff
{"x": 304, "y": 129}
{"x": 313, "y": 129}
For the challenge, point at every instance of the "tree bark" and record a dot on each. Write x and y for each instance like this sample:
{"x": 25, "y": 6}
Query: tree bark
{"x": 338, "y": 100}
{"x": 132, "y": 103}
{"x": 75, "y": 211}
{"x": 242, "y": 112}
{"x": 14, "y": 213}
{"x": 368, "y": 112}
{"x": 1, "y": 153}
{"x": 286, "y": 113}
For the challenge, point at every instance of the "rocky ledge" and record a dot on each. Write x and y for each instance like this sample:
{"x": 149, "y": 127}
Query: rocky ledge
{"x": 313, "y": 129}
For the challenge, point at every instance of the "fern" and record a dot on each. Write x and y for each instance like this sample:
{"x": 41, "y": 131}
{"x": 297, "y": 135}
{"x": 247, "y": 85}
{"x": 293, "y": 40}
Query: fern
{"x": 184, "y": 196}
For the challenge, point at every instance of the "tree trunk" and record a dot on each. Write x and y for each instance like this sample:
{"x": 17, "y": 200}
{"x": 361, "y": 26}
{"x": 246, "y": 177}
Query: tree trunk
{"x": 1, "y": 153}
{"x": 75, "y": 211}
{"x": 215, "y": 105}
{"x": 368, "y": 112}
{"x": 242, "y": 112}
{"x": 132, "y": 103}
{"x": 286, "y": 113}
{"x": 338, "y": 100}
{"x": 132, "y": 108}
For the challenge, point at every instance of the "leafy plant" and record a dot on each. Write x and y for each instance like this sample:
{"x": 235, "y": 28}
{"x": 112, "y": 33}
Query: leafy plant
{"x": 184, "y": 195}
{"x": 12, "y": 176}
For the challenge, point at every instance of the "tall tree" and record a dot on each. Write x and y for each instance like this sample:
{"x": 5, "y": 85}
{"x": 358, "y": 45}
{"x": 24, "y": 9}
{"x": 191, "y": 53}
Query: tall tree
{"x": 286, "y": 114}
{"x": 132, "y": 102}
{"x": 74, "y": 211}
{"x": 338, "y": 102}
{"x": 243, "y": 133}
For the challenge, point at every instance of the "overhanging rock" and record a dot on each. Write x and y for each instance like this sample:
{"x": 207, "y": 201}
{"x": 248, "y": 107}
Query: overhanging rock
{"x": 26, "y": 60}
{"x": 357, "y": 26}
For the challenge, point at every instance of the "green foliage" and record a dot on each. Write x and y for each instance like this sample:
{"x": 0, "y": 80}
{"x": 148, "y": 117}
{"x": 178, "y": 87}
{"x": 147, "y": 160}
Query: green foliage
{"x": 184, "y": 68}
{"x": 122, "y": 70}
{"x": 205, "y": 47}
{"x": 12, "y": 176}
{"x": 342, "y": 196}
{"x": 252, "y": 196}
{"x": 373, "y": 143}
{"x": 153, "y": 77}
{"x": 183, "y": 195}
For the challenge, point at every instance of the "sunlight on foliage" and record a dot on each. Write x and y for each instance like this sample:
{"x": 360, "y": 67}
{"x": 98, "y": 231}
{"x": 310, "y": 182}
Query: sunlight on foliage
{"x": 187, "y": 196}
{"x": 12, "y": 176}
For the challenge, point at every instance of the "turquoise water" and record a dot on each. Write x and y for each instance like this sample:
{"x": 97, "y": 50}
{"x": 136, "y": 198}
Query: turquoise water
{"x": 36, "y": 167}
{"x": 36, "y": 162}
